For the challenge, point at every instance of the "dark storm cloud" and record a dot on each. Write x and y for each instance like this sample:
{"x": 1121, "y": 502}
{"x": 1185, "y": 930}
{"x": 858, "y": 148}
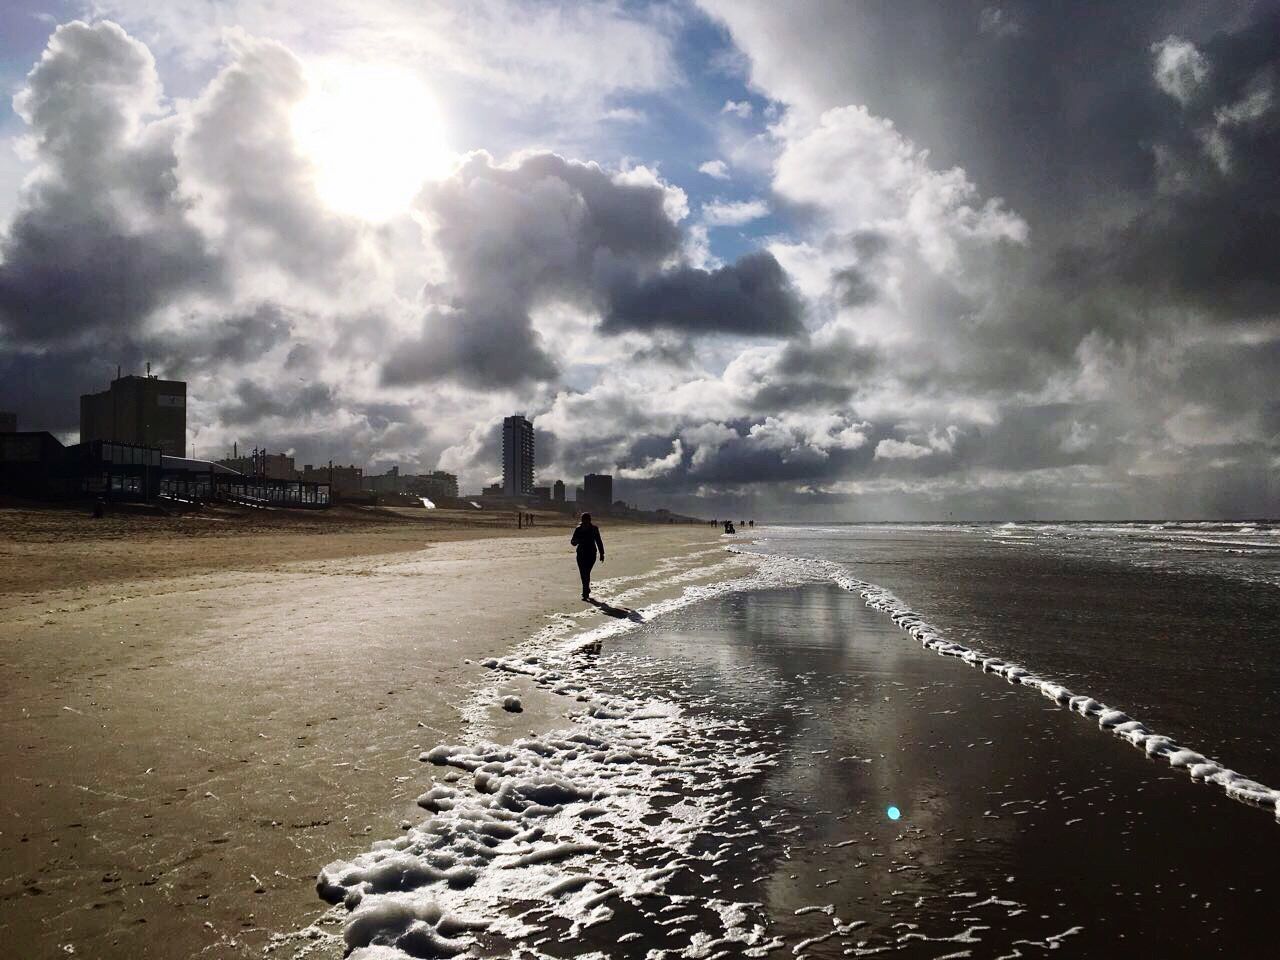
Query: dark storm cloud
{"x": 852, "y": 283}
{"x": 1062, "y": 115}
{"x": 807, "y": 372}
{"x": 254, "y": 402}
{"x": 1048, "y": 115}
{"x": 543, "y": 229}
{"x": 203, "y": 344}
{"x": 744, "y": 460}
{"x": 752, "y": 297}
{"x": 853, "y": 288}
{"x": 1211, "y": 239}
{"x": 668, "y": 352}
{"x": 1238, "y": 380}
{"x": 100, "y": 238}
{"x": 44, "y": 388}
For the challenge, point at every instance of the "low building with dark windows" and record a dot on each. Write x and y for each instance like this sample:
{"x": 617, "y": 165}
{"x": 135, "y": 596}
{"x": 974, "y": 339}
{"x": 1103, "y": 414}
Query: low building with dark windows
{"x": 37, "y": 465}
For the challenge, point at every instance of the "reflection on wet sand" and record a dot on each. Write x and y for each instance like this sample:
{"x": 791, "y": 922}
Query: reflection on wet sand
{"x": 1021, "y": 829}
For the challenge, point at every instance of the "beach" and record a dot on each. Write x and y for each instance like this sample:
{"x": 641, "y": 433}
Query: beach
{"x": 749, "y": 747}
{"x": 186, "y": 749}
{"x": 783, "y": 765}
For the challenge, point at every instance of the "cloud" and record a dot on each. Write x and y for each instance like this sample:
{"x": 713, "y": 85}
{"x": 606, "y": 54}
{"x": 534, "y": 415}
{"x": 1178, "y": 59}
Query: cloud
{"x": 751, "y": 297}
{"x": 741, "y": 109}
{"x": 254, "y": 402}
{"x": 102, "y": 236}
{"x": 717, "y": 169}
{"x": 860, "y": 173}
{"x": 537, "y": 229}
{"x": 706, "y": 439}
{"x": 657, "y": 466}
{"x": 916, "y": 446}
{"x": 1180, "y": 69}
{"x": 497, "y": 59}
{"x": 1009, "y": 283}
{"x": 890, "y": 449}
{"x": 733, "y": 213}
{"x": 998, "y": 22}
{"x": 254, "y": 192}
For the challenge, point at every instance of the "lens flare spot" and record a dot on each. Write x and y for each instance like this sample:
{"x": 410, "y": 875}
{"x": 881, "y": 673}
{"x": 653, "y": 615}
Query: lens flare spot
{"x": 894, "y": 813}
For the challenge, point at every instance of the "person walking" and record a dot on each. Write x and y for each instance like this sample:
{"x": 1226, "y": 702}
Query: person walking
{"x": 586, "y": 537}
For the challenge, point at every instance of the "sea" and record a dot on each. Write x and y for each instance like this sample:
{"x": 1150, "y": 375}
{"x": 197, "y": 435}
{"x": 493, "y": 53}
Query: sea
{"x": 924, "y": 740}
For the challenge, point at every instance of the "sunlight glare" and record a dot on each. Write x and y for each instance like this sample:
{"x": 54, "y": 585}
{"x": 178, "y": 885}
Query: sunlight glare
{"x": 373, "y": 136}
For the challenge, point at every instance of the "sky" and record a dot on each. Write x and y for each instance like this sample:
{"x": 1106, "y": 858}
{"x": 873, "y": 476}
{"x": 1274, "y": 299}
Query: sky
{"x": 865, "y": 260}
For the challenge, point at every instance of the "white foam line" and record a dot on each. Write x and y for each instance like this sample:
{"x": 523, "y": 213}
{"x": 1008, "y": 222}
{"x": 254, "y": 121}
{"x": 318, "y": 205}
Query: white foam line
{"x": 1155, "y": 745}
{"x": 531, "y": 822}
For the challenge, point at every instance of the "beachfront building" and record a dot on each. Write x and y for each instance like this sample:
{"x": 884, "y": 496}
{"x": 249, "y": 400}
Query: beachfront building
{"x": 342, "y": 480}
{"x": 270, "y": 466}
{"x": 389, "y": 482}
{"x": 557, "y": 491}
{"x": 596, "y": 491}
{"x": 145, "y": 411}
{"x": 437, "y": 485}
{"x": 517, "y": 456}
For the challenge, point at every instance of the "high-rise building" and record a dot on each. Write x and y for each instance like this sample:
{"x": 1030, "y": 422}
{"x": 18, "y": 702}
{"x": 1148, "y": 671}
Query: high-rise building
{"x": 143, "y": 410}
{"x": 557, "y": 491}
{"x": 517, "y": 456}
{"x": 597, "y": 490}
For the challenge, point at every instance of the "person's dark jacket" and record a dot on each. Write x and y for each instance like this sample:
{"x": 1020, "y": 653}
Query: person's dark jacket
{"x": 586, "y": 537}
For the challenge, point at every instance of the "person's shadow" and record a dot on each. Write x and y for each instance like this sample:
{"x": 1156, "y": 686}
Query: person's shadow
{"x": 622, "y": 613}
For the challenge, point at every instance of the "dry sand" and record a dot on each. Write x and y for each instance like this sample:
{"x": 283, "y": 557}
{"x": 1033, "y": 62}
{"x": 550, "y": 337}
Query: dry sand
{"x": 196, "y": 726}
{"x": 51, "y": 549}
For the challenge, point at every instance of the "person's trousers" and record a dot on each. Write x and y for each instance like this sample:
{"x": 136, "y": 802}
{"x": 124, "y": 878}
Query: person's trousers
{"x": 585, "y": 562}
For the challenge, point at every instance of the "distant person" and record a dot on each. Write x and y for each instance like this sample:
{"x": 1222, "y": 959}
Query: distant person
{"x": 586, "y": 537}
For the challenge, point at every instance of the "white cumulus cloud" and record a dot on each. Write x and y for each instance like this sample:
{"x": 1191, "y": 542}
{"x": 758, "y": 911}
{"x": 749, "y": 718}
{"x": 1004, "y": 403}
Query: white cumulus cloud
{"x": 716, "y": 169}
{"x": 733, "y": 213}
{"x": 658, "y": 466}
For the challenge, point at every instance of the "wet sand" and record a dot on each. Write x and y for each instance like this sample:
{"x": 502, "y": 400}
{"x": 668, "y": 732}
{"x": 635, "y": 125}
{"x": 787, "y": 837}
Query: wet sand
{"x": 183, "y": 752}
{"x": 1022, "y": 830}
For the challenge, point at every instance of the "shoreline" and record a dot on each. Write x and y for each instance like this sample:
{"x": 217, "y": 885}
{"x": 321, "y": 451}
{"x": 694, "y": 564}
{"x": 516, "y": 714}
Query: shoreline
{"x": 187, "y": 752}
{"x": 757, "y": 704}
{"x": 632, "y": 700}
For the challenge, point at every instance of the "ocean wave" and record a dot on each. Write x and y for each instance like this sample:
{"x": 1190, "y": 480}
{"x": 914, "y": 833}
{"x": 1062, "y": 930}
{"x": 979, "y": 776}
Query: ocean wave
{"x": 1137, "y": 734}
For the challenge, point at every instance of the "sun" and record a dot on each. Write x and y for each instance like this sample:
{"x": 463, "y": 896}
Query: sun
{"x": 373, "y": 136}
